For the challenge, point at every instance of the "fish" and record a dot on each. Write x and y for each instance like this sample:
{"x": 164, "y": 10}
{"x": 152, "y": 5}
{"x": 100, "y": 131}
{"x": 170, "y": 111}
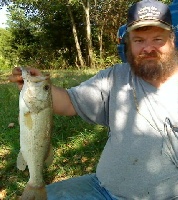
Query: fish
{"x": 35, "y": 118}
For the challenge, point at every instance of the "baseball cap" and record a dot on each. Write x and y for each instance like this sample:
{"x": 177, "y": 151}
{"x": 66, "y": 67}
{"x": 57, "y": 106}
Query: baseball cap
{"x": 149, "y": 13}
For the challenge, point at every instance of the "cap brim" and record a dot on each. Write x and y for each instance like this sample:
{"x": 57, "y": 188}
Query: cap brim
{"x": 148, "y": 23}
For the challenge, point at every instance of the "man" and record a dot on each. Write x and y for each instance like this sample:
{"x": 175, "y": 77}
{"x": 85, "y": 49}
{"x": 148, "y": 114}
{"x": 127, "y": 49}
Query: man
{"x": 121, "y": 42}
{"x": 138, "y": 102}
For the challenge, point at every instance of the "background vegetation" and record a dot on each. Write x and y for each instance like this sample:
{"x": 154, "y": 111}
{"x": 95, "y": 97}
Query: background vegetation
{"x": 59, "y": 34}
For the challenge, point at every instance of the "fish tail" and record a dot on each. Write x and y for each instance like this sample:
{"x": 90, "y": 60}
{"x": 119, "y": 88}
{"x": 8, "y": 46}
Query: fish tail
{"x": 34, "y": 193}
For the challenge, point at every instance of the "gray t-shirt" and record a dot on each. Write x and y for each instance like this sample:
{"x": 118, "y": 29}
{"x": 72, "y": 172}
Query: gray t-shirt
{"x": 139, "y": 160}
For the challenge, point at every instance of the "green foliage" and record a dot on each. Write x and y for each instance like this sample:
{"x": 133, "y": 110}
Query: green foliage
{"x": 77, "y": 145}
{"x": 42, "y": 32}
{"x": 7, "y": 54}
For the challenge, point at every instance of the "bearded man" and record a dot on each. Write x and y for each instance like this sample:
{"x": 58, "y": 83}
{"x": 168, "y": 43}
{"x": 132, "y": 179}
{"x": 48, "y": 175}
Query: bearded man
{"x": 151, "y": 53}
{"x": 138, "y": 102}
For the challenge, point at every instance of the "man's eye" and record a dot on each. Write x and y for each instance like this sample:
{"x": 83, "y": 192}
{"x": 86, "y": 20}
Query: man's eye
{"x": 138, "y": 41}
{"x": 158, "y": 40}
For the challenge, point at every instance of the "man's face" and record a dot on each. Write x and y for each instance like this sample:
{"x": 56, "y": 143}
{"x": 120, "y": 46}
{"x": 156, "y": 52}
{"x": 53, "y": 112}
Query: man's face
{"x": 151, "y": 53}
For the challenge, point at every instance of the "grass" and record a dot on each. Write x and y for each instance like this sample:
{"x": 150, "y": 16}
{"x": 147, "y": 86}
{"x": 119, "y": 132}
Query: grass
{"x": 77, "y": 145}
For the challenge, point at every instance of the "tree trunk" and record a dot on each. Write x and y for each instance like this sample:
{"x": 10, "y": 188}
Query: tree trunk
{"x": 86, "y": 6}
{"x": 79, "y": 52}
{"x": 100, "y": 39}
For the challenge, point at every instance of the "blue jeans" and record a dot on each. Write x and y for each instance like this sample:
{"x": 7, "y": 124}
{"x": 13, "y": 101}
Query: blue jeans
{"x": 85, "y": 187}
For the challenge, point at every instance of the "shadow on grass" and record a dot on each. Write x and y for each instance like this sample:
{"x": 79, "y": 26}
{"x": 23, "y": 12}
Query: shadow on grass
{"x": 77, "y": 145}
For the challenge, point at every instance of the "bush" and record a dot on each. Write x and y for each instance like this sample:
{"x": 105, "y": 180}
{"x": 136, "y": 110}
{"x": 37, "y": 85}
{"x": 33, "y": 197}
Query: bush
{"x": 4, "y": 64}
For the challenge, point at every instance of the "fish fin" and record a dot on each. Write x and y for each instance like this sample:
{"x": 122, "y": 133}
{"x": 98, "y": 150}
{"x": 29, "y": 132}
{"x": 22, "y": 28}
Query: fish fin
{"x": 34, "y": 193}
{"x": 21, "y": 163}
{"x": 49, "y": 158}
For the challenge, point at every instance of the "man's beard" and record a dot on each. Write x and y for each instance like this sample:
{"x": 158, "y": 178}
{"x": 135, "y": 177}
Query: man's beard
{"x": 158, "y": 69}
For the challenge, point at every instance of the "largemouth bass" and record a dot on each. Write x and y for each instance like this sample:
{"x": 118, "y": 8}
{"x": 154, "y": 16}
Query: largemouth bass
{"x": 35, "y": 104}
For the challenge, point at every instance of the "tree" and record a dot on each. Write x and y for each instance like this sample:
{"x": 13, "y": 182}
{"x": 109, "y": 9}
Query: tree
{"x": 74, "y": 29}
{"x": 108, "y": 16}
{"x": 7, "y": 54}
{"x": 42, "y": 32}
{"x": 86, "y": 7}
{"x": 44, "y": 29}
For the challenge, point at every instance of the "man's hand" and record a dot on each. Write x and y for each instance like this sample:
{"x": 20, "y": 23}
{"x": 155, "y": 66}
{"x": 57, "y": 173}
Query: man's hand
{"x": 16, "y": 76}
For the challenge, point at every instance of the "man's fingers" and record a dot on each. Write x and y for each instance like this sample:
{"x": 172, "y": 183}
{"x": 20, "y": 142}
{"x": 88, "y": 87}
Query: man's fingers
{"x": 34, "y": 71}
{"x": 16, "y": 75}
{"x": 17, "y": 71}
{"x": 15, "y": 79}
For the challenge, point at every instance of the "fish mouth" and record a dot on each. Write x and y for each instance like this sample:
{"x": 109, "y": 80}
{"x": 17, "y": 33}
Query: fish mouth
{"x": 29, "y": 77}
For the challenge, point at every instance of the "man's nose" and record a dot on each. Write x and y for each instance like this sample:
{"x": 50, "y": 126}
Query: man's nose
{"x": 148, "y": 47}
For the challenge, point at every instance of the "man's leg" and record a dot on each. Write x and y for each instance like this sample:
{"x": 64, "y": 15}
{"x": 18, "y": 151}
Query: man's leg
{"x": 85, "y": 187}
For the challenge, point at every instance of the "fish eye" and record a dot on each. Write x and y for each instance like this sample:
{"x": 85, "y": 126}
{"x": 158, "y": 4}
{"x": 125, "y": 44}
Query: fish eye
{"x": 46, "y": 87}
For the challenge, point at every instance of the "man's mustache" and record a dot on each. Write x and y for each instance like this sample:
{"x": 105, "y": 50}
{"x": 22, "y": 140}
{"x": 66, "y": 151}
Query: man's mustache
{"x": 151, "y": 54}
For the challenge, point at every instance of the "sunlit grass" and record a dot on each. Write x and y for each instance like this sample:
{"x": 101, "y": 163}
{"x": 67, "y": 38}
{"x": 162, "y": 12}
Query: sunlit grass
{"x": 77, "y": 145}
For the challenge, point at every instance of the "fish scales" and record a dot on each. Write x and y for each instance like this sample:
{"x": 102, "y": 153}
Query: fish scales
{"x": 35, "y": 104}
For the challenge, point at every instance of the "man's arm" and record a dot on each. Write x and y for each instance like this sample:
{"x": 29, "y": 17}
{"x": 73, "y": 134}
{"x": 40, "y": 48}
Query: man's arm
{"x": 61, "y": 102}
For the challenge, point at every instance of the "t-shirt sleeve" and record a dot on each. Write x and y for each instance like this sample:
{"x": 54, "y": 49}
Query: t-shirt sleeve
{"x": 90, "y": 98}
